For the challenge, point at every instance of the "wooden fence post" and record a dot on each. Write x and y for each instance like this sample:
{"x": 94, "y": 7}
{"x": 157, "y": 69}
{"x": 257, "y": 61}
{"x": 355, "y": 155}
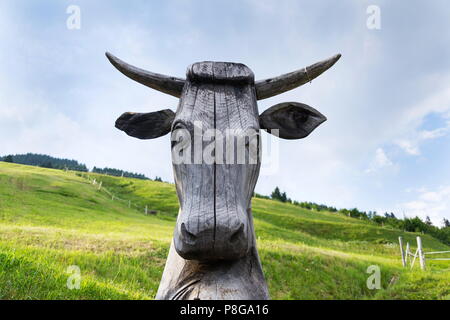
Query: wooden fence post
{"x": 420, "y": 252}
{"x": 146, "y": 210}
{"x": 100, "y": 185}
{"x": 112, "y": 197}
{"x": 401, "y": 251}
{"x": 407, "y": 253}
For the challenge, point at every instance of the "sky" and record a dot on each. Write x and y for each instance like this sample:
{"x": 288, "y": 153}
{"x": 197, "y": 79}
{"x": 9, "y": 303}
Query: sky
{"x": 384, "y": 147}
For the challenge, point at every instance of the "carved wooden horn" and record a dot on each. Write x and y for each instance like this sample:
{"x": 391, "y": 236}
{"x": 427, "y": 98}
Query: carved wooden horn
{"x": 271, "y": 87}
{"x": 160, "y": 82}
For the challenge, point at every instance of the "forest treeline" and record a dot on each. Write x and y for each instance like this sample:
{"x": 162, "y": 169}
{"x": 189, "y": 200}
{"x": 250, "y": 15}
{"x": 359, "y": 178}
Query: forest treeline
{"x": 387, "y": 219}
{"x": 45, "y": 161}
{"x": 119, "y": 173}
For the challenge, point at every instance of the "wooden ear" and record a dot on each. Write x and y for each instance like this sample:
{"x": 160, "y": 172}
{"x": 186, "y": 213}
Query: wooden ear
{"x": 146, "y": 125}
{"x": 294, "y": 120}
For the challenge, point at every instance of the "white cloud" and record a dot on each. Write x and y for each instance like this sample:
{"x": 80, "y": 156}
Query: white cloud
{"x": 438, "y": 102}
{"x": 410, "y": 137}
{"x": 380, "y": 161}
{"x": 434, "y": 203}
{"x": 412, "y": 146}
{"x": 433, "y": 134}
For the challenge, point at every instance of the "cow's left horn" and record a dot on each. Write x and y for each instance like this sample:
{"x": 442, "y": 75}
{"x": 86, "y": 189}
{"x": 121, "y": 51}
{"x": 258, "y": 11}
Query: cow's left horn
{"x": 271, "y": 87}
{"x": 160, "y": 82}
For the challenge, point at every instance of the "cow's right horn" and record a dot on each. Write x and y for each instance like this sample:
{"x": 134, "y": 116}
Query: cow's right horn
{"x": 160, "y": 82}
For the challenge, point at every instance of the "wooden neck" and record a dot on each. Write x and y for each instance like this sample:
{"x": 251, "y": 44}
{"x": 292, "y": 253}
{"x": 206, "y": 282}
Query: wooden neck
{"x": 241, "y": 279}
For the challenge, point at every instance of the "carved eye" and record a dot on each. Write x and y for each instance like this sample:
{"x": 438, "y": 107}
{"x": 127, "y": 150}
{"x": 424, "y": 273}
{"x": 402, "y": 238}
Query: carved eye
{"x": 252, "y": 148}
{"x": 252, "y": 141}
{"x": 173, "y": 143}
{"x": 181, "y": 141}
{"x": 179, "y": 133}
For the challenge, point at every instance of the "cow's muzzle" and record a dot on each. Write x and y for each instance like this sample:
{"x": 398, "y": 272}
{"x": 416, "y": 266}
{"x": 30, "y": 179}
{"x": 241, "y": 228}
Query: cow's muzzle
{"x": 218, "y": 239}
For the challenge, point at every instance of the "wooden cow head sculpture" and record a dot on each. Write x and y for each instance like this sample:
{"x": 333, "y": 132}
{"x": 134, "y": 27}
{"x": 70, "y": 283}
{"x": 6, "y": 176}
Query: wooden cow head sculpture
{"x": 213, "y": 253}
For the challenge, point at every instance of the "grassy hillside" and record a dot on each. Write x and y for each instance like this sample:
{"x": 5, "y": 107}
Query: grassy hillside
{"x": 51, "y": 219}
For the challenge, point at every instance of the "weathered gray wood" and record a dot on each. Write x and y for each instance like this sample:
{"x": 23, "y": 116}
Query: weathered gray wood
{"x": 240, "y": 279}
{"x": 414, "y": 258}
{"x": 194, "y": 232}
{"x": 146, "y": 125}
{"x": 294, "y": 120}
{"x": 160, "y": 82}
{"x": 220, "y": 73}
{"x": 436, "y": 252}
{"x": 420, "y": 252}
{"x": 273, "y": 86}
{"x": 213, "y": 254}
{"x": 223, "y": 264}
{"x": 407, "y": 253}
{"x": 235, "y": 183}
{"x": 400, "y": 241}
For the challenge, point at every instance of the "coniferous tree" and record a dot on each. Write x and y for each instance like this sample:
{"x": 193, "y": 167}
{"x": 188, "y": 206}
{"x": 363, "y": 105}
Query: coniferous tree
{"x": 446, "y": 223}
{"x": 276, "y": 194}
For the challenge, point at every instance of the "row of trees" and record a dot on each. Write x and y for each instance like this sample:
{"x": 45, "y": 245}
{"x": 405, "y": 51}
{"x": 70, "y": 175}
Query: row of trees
{"x": 45, "y": 161}
{"x": 119, "y": 173}
{"x": 282, "y": 196}
{"x": 387, "y": 219}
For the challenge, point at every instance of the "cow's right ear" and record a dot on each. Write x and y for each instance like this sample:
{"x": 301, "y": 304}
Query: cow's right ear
{"x": 146, "y": 125}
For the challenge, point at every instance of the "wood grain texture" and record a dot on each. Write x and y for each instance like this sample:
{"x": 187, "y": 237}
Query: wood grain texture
{"x": 213, "y": 254}
{"x": 273, "y": 86}
{"x": 240, "y": 279}
{"x": 293, "y": 120}
{"x": 146, "y": 125}
{"x": 213, "y": 72}
{"x": 194, "y": 233}
{"x": 160, "y": 82}
{"x": 235, "y": 183}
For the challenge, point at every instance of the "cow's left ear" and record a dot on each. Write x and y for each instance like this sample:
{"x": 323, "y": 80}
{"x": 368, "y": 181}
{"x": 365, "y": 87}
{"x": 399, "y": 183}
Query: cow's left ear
{"x": 294, "y": 120}
{"x": 146, "y": 125}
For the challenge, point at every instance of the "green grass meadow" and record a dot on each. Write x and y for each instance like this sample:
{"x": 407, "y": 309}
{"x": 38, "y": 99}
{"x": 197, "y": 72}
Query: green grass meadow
{"x": 51, "y": 220}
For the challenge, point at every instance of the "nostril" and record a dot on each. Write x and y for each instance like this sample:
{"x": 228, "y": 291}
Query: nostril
{"x": 237, "y": 234}
{"x": 187, "y": 236}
